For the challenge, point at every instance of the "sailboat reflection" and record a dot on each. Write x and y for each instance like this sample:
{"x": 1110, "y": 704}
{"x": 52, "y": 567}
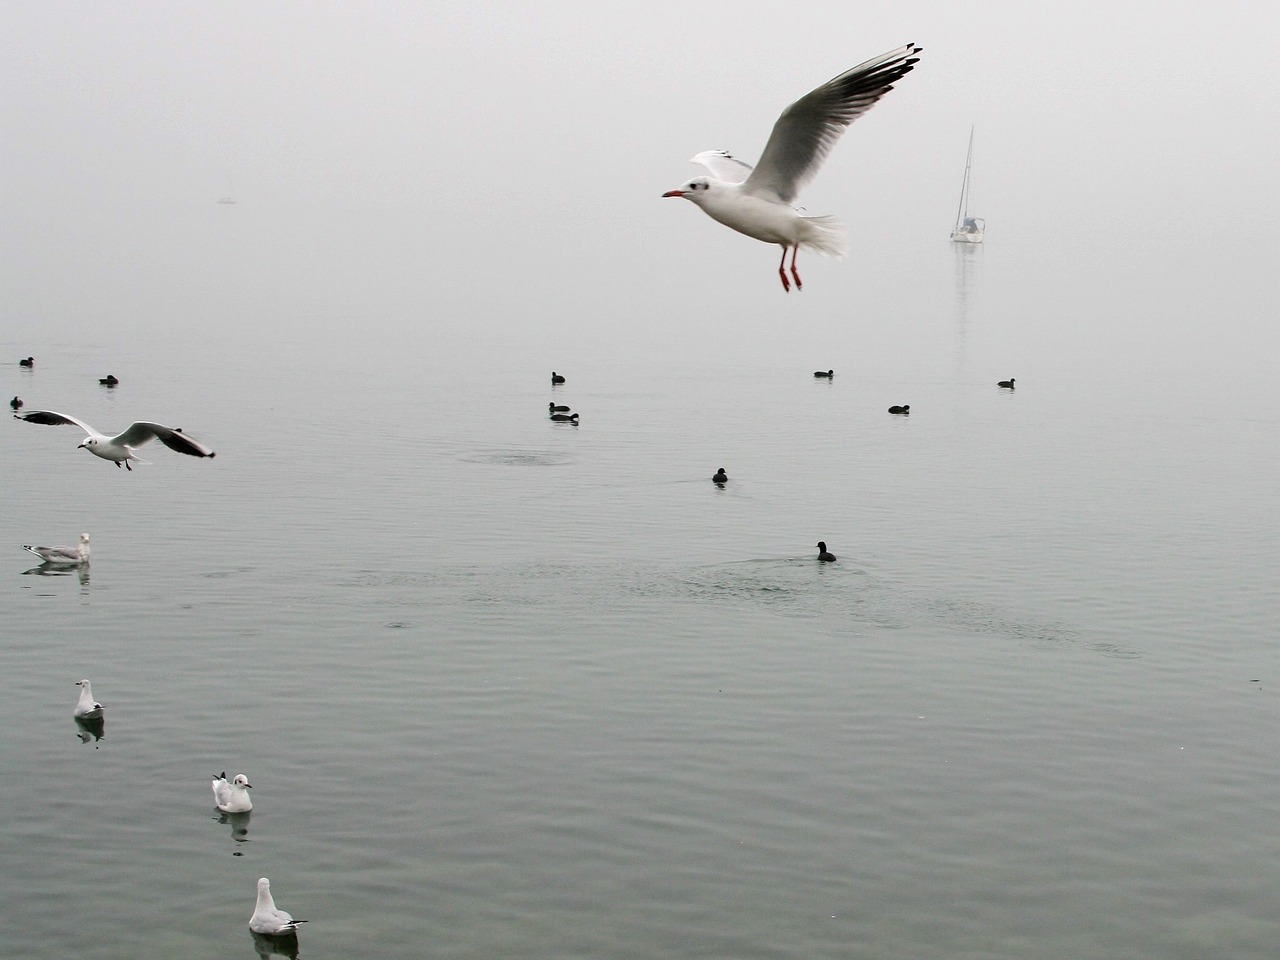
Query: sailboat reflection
{"x": 283, "y": 945}
{"x": 968, "y": 267}
{"x": 91, "y": 728}
{"x": 239, "y": 823}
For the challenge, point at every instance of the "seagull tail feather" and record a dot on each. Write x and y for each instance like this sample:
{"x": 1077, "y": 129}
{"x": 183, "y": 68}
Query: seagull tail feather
{"x": 826, "y": 235}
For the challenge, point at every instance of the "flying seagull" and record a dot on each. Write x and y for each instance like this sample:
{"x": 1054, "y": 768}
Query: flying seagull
{"x": 77, "y": 554}
{"x": 758, "y": 202}
{"x": 120, "y": 447}
{"x": 267, "y": 919}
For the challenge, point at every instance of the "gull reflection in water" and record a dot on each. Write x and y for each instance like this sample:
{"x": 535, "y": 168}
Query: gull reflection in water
{"x": 91, "y": 728}
{"x": 239, "y": 825}
{"x": 59, "y": 570}
{"x": 283, "y": 945}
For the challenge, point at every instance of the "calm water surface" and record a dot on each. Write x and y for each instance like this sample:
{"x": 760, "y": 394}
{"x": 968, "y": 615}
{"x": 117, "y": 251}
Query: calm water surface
{"x": 505, "y": 687}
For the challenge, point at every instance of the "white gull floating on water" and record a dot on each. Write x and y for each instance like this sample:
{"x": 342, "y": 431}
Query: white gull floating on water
{"x": 120, "y": 447}
{"x": 87, "y": 707}
{"x": 233, "y": 796}
{"x": 77, "y": 554}
{"x": 758, "y": 202}
{"x": 267, "y": 919}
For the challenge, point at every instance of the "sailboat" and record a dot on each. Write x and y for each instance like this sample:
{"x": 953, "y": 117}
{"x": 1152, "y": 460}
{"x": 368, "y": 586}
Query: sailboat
{"x": 967, "y": 229}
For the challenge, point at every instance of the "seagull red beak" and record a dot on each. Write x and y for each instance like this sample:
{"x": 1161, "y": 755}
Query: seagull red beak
{"x": 674, "y": 193}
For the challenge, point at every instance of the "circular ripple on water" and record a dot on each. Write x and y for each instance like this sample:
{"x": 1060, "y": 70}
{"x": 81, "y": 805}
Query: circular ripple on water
{"x": 519, "y": 458}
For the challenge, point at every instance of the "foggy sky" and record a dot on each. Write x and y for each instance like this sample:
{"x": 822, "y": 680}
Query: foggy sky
{"x": 448, "y": 161}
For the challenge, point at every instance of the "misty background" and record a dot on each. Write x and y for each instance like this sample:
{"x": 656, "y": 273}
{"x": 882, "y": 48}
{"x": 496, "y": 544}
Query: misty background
{"x": 443, "y": 175}
{"x": 505, "y": 686}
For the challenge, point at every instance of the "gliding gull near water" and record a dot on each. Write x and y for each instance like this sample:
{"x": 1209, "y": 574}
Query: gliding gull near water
{"x": 120, "y": 447}
{"x": 758, "y": 202}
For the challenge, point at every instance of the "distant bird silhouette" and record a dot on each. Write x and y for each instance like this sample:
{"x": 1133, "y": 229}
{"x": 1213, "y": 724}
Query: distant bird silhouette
{"x": 29, "y": 362}
{"x": 556, "y": 378}
{"x": 16, "y": 403}
{"x": 109, "y": 380}
{"x": 824, "y": 556}
{"x": 554, "y": 407}
{"x": 1007, "y": 384}
{"x": 905, "y": 408}
{"x": 721, "y": 476}
{"x": 565, "y": 417}
{"x": 826, "y": 376}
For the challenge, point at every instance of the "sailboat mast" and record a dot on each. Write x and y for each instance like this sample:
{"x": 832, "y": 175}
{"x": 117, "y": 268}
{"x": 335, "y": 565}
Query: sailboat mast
{"x": 963, "y": 210}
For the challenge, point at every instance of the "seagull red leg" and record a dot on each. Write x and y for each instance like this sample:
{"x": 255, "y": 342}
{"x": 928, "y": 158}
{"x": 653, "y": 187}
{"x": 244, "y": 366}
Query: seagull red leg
{"x": 782, "y": 270}
{"x": 795, "y": 250}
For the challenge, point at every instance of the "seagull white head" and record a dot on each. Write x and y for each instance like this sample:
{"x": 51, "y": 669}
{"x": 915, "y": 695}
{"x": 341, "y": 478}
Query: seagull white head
{"x": 694, "y": 190}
